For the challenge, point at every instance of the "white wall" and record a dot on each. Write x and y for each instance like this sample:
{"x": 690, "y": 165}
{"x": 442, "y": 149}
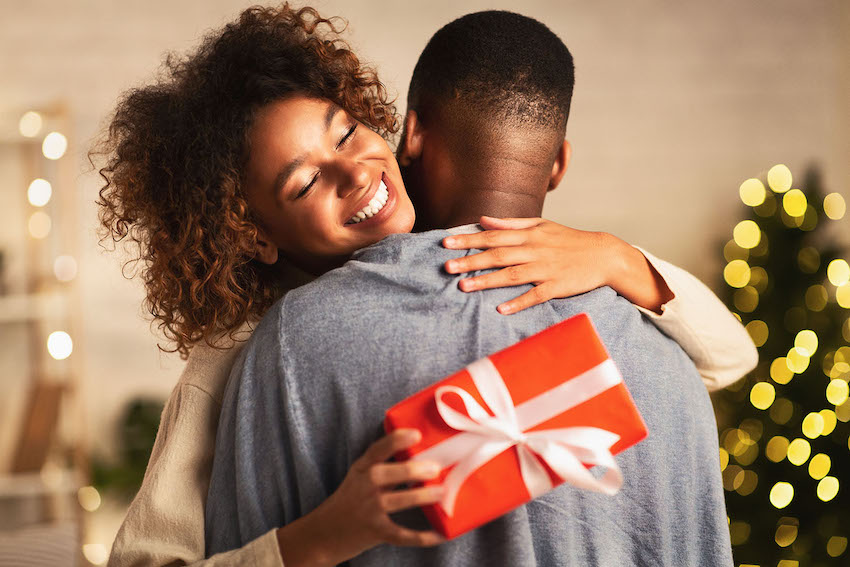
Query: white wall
{"x": 675, "y": 104}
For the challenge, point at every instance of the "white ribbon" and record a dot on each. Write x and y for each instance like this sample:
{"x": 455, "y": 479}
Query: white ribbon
{"x": 483, "y": 436}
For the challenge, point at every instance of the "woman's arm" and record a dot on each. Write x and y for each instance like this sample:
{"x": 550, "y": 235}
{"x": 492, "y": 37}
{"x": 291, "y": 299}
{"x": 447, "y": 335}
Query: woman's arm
{"x": 563, "y": 262}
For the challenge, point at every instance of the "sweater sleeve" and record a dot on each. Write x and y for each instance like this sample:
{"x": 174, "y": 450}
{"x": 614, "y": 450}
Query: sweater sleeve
{"x": 707, "y": 331}
{"x": 164, "y": 525}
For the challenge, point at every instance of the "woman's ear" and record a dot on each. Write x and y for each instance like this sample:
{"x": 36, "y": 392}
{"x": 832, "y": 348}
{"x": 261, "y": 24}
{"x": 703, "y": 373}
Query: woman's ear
{"x": 411, "y": 139}
{"x": 267, "y": 252}
{"x": 559, "y": 168}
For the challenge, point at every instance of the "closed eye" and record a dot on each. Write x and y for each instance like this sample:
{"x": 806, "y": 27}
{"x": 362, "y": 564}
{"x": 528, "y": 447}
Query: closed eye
{"x": 308, "y": 186}
{"x": 347, "y": 137}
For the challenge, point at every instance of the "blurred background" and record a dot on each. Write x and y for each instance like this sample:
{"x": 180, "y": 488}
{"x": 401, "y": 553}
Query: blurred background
{"x": 714, "y": 134}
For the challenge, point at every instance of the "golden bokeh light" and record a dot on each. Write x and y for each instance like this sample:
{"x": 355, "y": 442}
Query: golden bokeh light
{"x": 89, "y": 498}
{"x": 724, "y": 459}
{"x": 829, "y": 421}
{"x": 797, "y": 360}
{"x": 784, "y": 563}
{"x": 836, "y": 546}
{"x": 837, "y": 392}
{"x": 779, "y": 178}
{"x": 781, "y": 411}
{"x": 749, "y": 484}
{"x": 812, "y": 425}
{"x": 833, "y": 205}
{"x": 838, "y": 370}
{"x": 746, "y": 234}
{"x": 54, "y": 146}
{"x": 59, "y": 345}
{"x": 842, "y": 295}
{"x": 810, "y": 219}
{"x": 733, "y": 476}
{"x": 39, "y": 225}
{"x": 807, "y": 342}
{"x": 762, "y": 395}
{"x": 794, "y": 202}
{"x": 781, "y": 494}
{"x": 30, "y": 124}
{"x": 746, "y": 299}
{"x": 816, "y": 297}
{"x": 819, "y": 466}
{"x": 777, "y": 449}
{"x": 827, "y": 488}
{"x": 39, "y": 192}
{"x": 759, "y": 279}
{"x": 95, "y": 553}
{"x": 732, "y": 251}
{"x": 785, "y": 534}
{"x": 799, "y": 451}
{"x": 752, "y": 192}
{"x": 808, "y": 259}
{"x": 739, "y": 532}
{"x": 838, "y": 272}
{"x": 753, "y": 428}
{"x": 65, "y": 268}
{"x": 758, "y": 331}
{"x": 842, "y": 412}
{"x": 779, "y": 371}
{"x": 737, "y": 273}
{"x": 768, "y": 208}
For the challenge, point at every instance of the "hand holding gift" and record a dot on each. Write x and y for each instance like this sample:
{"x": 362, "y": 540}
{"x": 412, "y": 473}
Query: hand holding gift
{"x": 558, "y": 406}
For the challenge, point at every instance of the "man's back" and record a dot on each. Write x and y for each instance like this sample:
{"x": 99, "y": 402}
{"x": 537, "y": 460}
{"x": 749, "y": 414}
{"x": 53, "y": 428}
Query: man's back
{"x": 330, "y": 358}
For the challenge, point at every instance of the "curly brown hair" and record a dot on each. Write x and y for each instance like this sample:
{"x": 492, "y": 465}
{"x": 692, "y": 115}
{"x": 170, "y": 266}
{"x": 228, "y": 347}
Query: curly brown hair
{"x": 175, "y": 153}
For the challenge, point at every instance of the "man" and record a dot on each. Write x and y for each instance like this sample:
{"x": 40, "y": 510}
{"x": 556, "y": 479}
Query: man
{"x": 489, "y": 101}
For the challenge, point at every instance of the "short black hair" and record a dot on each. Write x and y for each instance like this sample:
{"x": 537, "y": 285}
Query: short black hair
{"x": 509, "y": 66}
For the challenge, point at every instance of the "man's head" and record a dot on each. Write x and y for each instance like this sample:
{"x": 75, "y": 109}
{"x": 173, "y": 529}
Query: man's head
{"x": 487, "y": 112}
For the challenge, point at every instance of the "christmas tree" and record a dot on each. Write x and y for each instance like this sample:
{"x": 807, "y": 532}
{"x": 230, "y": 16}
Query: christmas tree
{"x": 784, "y": 428}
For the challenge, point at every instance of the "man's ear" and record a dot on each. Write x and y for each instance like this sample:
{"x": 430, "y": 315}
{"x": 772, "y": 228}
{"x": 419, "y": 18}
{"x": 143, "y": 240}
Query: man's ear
{"x": 267, "y": 252}
{"x": 559, "y": 168}
{"x": 412, "y": 139}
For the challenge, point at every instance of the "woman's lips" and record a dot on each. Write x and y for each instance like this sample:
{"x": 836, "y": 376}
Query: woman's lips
{"x": 386, "y": 210}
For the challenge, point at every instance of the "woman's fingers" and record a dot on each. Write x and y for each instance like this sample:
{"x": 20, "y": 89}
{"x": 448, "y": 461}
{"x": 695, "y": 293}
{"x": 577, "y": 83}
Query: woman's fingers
{"x": 397, "y": 500}
{"x": 512, "y": 275}
{"x": 391, "y": 474}
{"x": 491, "y": 223}
{"x": 389, "y": 445}
{"x": 485, "y": 239}
{"x": 494, "y": 258}
{"x": 534, "y": 296}
{"x": 398, "y": 535}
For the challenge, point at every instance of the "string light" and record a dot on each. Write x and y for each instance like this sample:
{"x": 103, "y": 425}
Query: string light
{"x": 59, "y": 345}
{"x": 39, "y": 192}
{"x": 834, "y": 206}
{"x": 799, "y": 451}
{"x": 737, "y": 273}
{"x": 812, "y": 425}
{"x": 807, "y": 342}
{"x": 829, "y": 421}
{"x": 781, "y": 494}
{"x": 758, "y": 331}
{"x": 842, "y": 295}
{"x": 95, "y": 553}
{"x": 65, "y": 268}
{"x": 816, "y": 298}
{"x": 89, "y": 498}
{"x": 819, "y": 466}
{"x": 54, "y": 145}
{"x": 797, "y": 360}
{"x": 794, "y": 202}
{"x": 779, "y": 178}
{"x": 827, "y": 488}
{"x": 786, "y": 533}
{"x": 838, "y": 272}
{"x": 762, "y": 395}
{"x": 836, "y": 546}
{"x": 30, "y": 124}
{"x": 752, "y": 192}
{"x": 39, "y": 225}
{"x": 837, "y": 392}
{"x": 746, "y": 234}
{"x": 776, "y": 449}
{"x": 779, "y": 371}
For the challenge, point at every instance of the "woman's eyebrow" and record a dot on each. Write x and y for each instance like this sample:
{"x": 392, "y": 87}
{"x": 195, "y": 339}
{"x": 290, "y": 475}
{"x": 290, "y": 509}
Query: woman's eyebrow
{"x": 287, "y": 170}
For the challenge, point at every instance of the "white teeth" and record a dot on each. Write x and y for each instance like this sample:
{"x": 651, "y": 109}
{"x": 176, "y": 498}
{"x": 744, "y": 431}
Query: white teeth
{"x": 374, "y": 206}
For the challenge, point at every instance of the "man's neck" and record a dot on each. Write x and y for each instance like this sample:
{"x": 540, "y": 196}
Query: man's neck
{"x": 492, "y": 204}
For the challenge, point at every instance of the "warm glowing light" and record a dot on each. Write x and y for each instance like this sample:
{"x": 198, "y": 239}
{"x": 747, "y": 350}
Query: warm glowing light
{"x": 783, "y": 563}
{"x": 838, "y": 272}
{"x": 799, "y": 451}
{"x": 810, "y": 219}
{"x": 837, "y": 392}
{"x": 779, "y": 371}
{"x": 785, "y": 534}
{"x": 777, "y": 448}
{"x": 59, "y": 345}
{"x": 733, "y": 476}
{"x": 836, "y": 546}
{"x": 842, "y": 296}
{"x": 794, "y": 202}
{"x": 39, "y": 192}
{"x": 808, "y": 259}
{"x": 816, "y": 297}
{"x": 806, "y": 341}
{"x": 737, "y": 273}
{"x": 65, "y": 268}
{"x": 781, "y": 411}
{"x": 842, "y": 413}
{"x": 827, "y": 488}
{"x": 89, "y": 498}
{"x": 779, "y": 178}
{"x": 762, "y": 395}
{"x": 838, "y": 370}
{"x": 724, "y": 459}
{"x": 739, "y": 533}
{"x": 781, "y": 494}
{"x": 54, "y": 145}
{"x": 812, "y": 425}
{"x": 819, "y": 466}
{"x": 732, "y": 251}
{"x": 758, "y": 332}
{"x": 834, "y": 206}
{"x": 758, "y": 278}
{"x": 95, "y": 553}
{"x": 829, "y": 421}
{"x": 752, "y": 192}
{"x": 30, "y": 124}
{"x": 747, "y": 234}
{"x": 39, "y": 224}
{"x": 746, "y": 299}
{"x": 797, "y": 360}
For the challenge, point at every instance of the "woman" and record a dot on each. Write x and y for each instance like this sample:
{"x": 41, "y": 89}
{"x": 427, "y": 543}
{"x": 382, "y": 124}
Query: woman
{"x": 239, "y": 175}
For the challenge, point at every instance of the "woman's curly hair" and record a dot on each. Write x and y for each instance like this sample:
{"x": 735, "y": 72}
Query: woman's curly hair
{"x": 176, "y": 151}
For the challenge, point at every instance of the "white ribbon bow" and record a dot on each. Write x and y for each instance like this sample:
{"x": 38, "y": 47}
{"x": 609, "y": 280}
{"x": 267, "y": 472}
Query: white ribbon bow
{"x": 484, "y": 436}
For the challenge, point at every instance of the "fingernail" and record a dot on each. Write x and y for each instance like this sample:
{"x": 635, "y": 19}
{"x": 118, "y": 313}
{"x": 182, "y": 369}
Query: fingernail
{"x": 431, "y": 470}
{"x": 467, "y": 285}
{"x": 451, "y": 266}
{"x": 504, "y": 309}
{"x": 449, "y": 241}
{"x": 413, "y": 435}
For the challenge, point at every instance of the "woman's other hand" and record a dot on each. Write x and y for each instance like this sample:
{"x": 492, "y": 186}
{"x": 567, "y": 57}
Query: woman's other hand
{"x": 355, "y": 518}
{"x": 559, "y": 261}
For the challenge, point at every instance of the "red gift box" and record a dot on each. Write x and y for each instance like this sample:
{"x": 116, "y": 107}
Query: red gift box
{"x": 513, "y": 425}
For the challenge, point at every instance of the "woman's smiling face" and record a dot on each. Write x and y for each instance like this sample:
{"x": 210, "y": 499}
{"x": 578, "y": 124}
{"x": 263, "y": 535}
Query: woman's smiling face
{"x": 321, "y": 183}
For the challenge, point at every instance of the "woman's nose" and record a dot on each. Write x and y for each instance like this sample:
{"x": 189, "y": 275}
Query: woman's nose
{"x": 354, "y": 176}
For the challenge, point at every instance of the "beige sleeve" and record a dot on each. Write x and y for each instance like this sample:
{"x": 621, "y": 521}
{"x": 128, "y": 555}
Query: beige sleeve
{"x": 709, "y": 333}
{"x": 165, "y": 522}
